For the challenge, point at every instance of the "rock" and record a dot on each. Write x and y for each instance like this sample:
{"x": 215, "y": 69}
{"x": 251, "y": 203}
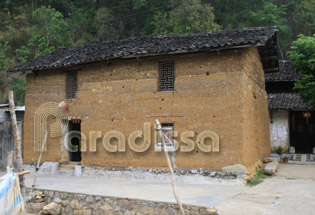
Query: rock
{"x": 82, "y": 212}
{"x": 106, "y": 207}
{"x": 271, "y": 168}
{"x": 271, "y": 159}
{"x": 212, "y": 174}
{"x": 193, "y": 171}
{"x": 97, "y": 198}
{"x": 57, "y": 200}
{"x": 236, "y": 168}
{"x": 74, "y": 204}
{"x": 52, "y": 209}
{"x": 212, "y": 210}
{"x": 89, "y": 199}
{"x": 33, "y": 207}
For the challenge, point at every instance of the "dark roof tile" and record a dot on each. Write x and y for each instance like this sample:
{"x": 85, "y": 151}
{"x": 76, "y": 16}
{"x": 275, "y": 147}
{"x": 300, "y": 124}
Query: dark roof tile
{"x": 285, "y": 73}
{"x": 145, "y": 45}
{"x": 287, "y": 101}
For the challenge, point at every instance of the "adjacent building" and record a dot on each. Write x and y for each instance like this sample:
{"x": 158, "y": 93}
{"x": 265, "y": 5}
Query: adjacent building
{"x": 292, "y": 121}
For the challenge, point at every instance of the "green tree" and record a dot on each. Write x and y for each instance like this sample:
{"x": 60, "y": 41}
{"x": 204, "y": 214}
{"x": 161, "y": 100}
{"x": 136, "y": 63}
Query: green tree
{"x": 49, "y": 30}
{"x": 104, "y": 25}
{"x": 190, "y": 17}
{"x": 302, "y": 56}
{"x": 81, "y": 23}
{"x": 18, "y": 86}
{"x": 304, "y": 17}
{"x": 271, "y": 15}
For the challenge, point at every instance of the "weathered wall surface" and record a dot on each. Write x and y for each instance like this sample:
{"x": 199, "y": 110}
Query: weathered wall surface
{"x": 213, "y": 91}
{"x": 256, "y": 143}
{"x": 279, "y": 130}
{"x": 46, "y": 87}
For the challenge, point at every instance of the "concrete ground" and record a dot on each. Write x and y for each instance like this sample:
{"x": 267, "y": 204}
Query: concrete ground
{"x": 195, "y": 190}
{"x": 291, "y": 191}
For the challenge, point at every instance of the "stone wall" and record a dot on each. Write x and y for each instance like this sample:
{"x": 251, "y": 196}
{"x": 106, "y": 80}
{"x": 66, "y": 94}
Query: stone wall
{"x": 221, "y": 92}
{"x": 82, "y": 204}
{"x": 279, "y": 130}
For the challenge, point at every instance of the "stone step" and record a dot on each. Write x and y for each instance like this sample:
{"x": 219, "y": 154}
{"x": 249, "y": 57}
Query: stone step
{"x": 66, "y": 168}
{"x": 70, "y": 163}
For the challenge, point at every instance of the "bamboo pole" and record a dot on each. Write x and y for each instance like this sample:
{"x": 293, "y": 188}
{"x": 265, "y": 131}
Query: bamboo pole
{"x": 169, "y": 166}
{"x": 40, "y": 157}
{"x": 10, "y": 162}
{"x": 17, "y": 141}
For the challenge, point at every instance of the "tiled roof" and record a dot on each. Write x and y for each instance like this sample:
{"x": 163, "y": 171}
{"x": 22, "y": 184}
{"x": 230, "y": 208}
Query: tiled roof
{"x": 287, "y": 101}
{"x": 285, "y": 73}
{"x": 154, "y": 45}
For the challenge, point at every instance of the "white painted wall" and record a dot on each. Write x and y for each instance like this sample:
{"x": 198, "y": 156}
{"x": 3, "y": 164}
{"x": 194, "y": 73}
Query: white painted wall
{"x": 279, "y": 129}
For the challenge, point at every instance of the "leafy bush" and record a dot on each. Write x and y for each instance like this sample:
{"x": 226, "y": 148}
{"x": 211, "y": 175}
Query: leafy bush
{"x": 302, "y": 56}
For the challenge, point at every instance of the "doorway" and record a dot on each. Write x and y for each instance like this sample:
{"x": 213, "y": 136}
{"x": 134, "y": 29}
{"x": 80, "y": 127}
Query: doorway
{"x": 75, "y": 125}
{"x": 302, "y": 127}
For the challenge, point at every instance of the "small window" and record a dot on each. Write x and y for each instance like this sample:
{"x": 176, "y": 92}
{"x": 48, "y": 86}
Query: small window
{"x": 166, "y": 76}
{"x": 168, "y": 129}
{"x": 71, "y": 85}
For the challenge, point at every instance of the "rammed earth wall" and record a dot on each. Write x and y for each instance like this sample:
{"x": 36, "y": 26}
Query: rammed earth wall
{"x": 223, "y": 92}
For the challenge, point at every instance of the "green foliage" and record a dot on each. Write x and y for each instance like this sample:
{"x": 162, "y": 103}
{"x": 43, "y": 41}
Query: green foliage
{"x": 18, "y": 86}
{"x": 258, "y": 178}
{"x": 82, "y": 24}
{"x": 104, "y": 25}
{"x": 304, "y": 16}
{"x": 279, "y": 150}
{"x": 271, "y": 15}
{"x": 29, "y": 29}
{"x": 190, "y": 17}
{"x": 49, "y": 30}
{"x": 3, "y": 59}
{"x": 302, "y": 56}
{"x": 5, "y": 63}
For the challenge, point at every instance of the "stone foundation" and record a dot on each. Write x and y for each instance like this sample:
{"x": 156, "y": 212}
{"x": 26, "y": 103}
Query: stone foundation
{"x": 83, "y": 204}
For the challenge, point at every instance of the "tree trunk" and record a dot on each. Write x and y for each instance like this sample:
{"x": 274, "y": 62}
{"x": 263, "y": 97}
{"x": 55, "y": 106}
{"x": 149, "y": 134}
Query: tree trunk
{"x": 17, "y": 141}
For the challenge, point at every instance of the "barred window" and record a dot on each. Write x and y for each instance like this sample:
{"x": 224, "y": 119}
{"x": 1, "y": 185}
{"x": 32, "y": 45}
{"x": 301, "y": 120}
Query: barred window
{"x": 168, "y": 129}
{"x": 71, "y": 85}
{"x": 166, "y": 76}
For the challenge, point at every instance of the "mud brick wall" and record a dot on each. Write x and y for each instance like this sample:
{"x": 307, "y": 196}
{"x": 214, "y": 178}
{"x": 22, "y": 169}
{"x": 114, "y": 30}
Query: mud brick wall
{"x": 222, "y": 92}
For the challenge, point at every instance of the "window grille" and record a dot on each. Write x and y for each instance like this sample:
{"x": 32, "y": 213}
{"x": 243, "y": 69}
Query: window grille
{"x": 71, "y": 85}
{"x": 166, "y": 76}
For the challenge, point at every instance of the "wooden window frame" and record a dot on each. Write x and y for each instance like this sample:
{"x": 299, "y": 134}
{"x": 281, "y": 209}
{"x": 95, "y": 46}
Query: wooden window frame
{"x": 71, "y": 85}
{"x": 166, "y": 81}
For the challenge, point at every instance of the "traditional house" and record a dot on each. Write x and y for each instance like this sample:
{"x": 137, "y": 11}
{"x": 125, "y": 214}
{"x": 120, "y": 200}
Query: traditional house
{"x": 208, "y": 88}
{"x": 292, "y": 121}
